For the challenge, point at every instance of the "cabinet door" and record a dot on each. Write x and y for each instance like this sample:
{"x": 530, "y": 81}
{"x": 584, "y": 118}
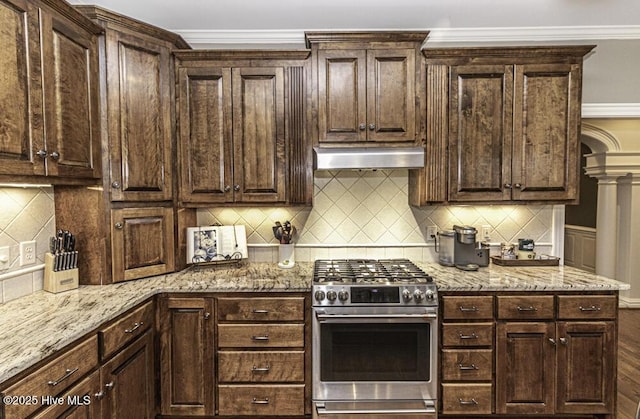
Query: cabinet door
{"x": 186, "y": 356}
{"x": 142, "y": 242}
{"x": 391, "y": 96}
{"x": 342, "y": 106}
{"x": 525, "y": 368}
{"x": 20, "y": 89}
{"x": 546, "y": 137}
{"x": 258, "y": 134}
{"x": 480, "y": 132}
{"x": 205, "y": 139}
{"x": 128, "y": 382}
{"x": 70, "y": 79}
{"x": 139, "y": 108}
{"x": 586, "y": 367}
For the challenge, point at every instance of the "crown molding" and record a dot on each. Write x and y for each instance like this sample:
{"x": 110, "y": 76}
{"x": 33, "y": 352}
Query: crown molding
{"x": 436, "y": 35}
{"x": 611, "y": 110}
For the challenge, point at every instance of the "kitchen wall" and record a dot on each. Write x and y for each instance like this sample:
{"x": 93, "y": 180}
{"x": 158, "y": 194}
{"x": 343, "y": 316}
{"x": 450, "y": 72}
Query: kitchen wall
{"x": 366, "y": 214}
{"x": 25, "y": 214}
{"x": 355, "y": 214}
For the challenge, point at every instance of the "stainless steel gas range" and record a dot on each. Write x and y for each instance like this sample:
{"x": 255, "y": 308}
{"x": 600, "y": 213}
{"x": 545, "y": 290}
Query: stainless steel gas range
{"x": 374, "y": 339}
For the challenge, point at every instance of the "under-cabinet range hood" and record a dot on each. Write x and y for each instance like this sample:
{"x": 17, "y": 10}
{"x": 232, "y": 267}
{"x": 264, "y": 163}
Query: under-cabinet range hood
{"x": 368, "y": 158}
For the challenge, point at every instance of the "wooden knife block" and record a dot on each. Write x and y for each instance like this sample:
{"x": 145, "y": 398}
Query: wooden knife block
{"x": 58, "y": 281}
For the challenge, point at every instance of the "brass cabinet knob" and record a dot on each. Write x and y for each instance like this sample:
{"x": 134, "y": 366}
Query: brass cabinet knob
{"x": 236, "y": 188}
{"x": 55, "y": 155}
{"x": 42, "y": 154}
{"x": 372, "y": 127}
{"x": 362, "y": 127}
{"x": 115, "y": 184}
{"x": 119, "y": 225}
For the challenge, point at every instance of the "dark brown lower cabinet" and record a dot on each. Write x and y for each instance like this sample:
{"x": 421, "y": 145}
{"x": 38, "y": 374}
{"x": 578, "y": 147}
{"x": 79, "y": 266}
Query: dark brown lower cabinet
{"x": 187, "y": 356}
{"x": 556, "y": 367}
{"x": 586, "y": 367}
{"x": 525, "y": 368}
{"x": 128, "y": 381}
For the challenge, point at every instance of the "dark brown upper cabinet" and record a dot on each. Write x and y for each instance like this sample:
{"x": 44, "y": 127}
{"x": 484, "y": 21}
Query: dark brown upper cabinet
{"x": 502, "y": 125}
{"x": 49, "y": 98}
{"x": 132, "y": 214}
{"x": 138, "y": 94}
{"x": 367, "y": 87}
{"x": 242, "y": 133}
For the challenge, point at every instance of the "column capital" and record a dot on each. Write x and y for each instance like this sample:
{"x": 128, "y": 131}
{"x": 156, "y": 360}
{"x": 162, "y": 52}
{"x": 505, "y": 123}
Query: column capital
{"x": 609, "y": 165}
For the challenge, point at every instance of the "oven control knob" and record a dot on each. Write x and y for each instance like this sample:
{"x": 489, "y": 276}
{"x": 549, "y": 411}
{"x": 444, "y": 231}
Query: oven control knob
{"x": 319, "y": 295}
{"x": 406, "y": 295}
{"x": 418, "y": 295}
{"x": 343, "y": 295}
{"x": 332, "y": 295}
{"x": 429, "y": 294}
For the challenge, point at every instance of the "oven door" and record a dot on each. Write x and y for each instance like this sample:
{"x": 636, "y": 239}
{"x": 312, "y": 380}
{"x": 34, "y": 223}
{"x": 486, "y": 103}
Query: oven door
{"x": 374, "y": 353}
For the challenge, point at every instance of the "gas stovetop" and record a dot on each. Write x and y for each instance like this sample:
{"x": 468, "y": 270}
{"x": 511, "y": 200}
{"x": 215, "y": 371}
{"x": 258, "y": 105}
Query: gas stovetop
{"x": 359, "y": 282}
{"x": 368, "y": 271}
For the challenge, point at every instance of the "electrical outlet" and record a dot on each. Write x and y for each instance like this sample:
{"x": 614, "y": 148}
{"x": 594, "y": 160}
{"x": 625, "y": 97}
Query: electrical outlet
{"x": 431, "y": 232}
{"x": 5, "y": 258}
{"x": 27, "y": 253}
{"x": 486, "y": 232}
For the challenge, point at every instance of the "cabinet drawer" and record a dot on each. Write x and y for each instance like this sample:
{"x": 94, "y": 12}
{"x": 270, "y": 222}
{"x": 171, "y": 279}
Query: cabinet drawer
{"x": 245, "y": 366}
{"x": 261, "y": 400}
{"x": 587, "y": 307}
{"x": 132, "y": 325}
{"x": 467, "y": 365}
{"x": 54, "y": 377}
{"x": 84, "y": 394}
{"x": 261, "y": 335}
{"x": 471, "y": 307}
{"x": 467, "y": 399}
{"x": 526, "y": 307}
{"x": 261, "y": 309}
{"x": 467, "y": 334}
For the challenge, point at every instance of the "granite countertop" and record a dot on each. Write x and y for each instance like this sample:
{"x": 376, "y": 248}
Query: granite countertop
{"x": 36, "y": 326}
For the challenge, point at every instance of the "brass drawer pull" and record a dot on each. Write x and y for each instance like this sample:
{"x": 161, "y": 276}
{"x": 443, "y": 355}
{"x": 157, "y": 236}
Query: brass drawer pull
{"x": 471, "y": 367}
{"x": 260, "y": 401}
{"x": 260, "y": 338}
{"x": 472, "y": 309}
{"x": 530, "y": 308}
{"x": 592, "y": 308}
{"x": 471, "y": 336}
{"x": 135, "y": 327}
{"x": 261, "y": 369}
{"x": 67, "y": 373}
{"x": 259, "y": 311}
{"x": 472, "y": 402}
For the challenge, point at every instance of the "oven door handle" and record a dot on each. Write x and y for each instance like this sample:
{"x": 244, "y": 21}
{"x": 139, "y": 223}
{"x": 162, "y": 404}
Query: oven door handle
{"x": 322, "y": 410}
{"x": 324, "y": 317}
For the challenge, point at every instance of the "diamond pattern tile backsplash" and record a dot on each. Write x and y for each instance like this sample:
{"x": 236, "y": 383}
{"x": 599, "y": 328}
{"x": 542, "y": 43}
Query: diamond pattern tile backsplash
{"x": 370, "y": 208}
{"x": 25, "y": 214}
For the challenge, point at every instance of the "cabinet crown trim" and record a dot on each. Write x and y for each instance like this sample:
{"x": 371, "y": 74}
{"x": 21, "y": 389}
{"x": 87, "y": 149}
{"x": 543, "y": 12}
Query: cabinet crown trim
{"x": 364, "y": 36}
{"x": 512, "y": 53}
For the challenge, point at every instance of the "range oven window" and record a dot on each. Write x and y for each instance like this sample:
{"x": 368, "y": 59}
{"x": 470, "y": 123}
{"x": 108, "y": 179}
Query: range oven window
{"x": 375, "y": 352}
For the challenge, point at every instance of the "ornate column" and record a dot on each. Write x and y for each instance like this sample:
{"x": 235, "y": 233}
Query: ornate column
{"x": 607, "y": 214}
{"x": 618, "y": 218}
